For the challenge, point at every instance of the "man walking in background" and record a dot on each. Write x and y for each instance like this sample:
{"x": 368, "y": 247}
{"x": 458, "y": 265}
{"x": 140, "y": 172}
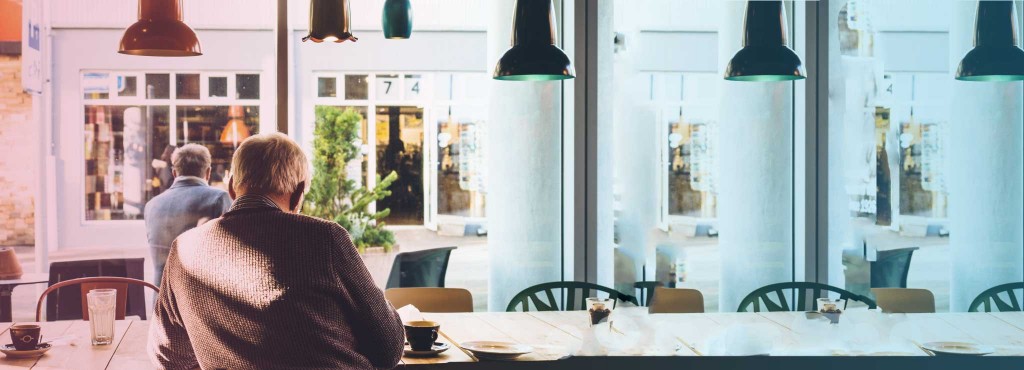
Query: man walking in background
{"x": 189, "y": 202}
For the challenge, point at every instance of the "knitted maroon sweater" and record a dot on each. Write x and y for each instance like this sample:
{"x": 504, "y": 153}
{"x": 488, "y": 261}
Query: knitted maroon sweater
{"x": 264, "y": 289}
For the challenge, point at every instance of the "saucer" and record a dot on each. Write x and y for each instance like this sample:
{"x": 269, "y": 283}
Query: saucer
{"x": 957, "y": 349}
{"x": 8, "y": 349}
{"x": 435, "y": 350}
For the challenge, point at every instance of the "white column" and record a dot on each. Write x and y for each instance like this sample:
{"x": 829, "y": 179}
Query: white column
{"x": 986, "y": 175}
{"x": 524, "y": 187}
{"x": 755, "y": 175}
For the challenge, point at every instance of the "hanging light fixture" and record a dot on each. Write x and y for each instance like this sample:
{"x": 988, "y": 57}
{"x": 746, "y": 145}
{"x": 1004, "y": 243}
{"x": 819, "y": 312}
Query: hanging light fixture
{"x": 329, "y": 21}
{"x": 235, "y": 131}
{"x": 765, "y": 55}
{"x": 160, "y": 32}
{"x": 397, "y": 19}
{"x": 996, "y": 56}
{"x": 534, "y": 56}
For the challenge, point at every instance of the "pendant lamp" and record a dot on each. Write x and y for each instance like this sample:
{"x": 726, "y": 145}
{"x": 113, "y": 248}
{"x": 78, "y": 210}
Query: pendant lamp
{"x": 534, "y": 56}
{"x": 996, "y": 56}
{"x": 397, "y": 19}
{"x": 765, "y": 55}
{"x": 160, "y": 32}
{"x": 235, "y": 131}
{"x": 329, "y": 21}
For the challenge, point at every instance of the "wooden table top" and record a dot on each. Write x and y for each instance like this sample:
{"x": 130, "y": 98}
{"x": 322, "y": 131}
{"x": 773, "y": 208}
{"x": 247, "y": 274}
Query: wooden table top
{"x": 557, "y": 335}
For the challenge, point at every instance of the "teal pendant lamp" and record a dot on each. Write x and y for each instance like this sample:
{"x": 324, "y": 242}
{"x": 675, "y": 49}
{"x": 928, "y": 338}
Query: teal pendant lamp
{"x": 329, "y": 21}
{"x": 397, "y": 19}
{"x": 534, "y": 56}
{"x": 765, "y": 56}
{"x": 996, "y": 56}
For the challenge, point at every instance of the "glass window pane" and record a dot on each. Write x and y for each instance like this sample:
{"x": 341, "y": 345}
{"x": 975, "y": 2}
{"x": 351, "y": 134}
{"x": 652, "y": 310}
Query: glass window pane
{"x": 218, "y": 87}
{"x": 247, "y": 86}
{"x": 220, "y": 129}
{"x": 120, "y": 174}
{"x": 127, "y": 86}
{"x": 926, "y": 188}
{"x": 327, "y": 87}
{"x": 356, "y": 87}
{"x": 187, "y": 86}
{"x": 96, "y": 85}
{"x": 158, "y": 86}
{"x": 701, "y": 170}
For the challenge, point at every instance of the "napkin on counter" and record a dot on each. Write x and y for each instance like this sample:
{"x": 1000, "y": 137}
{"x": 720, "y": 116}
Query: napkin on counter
{"x": 409, "y": 313}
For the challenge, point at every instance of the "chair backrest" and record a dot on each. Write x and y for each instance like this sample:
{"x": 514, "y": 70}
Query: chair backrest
{"x": 992, "y": 296}
{"x": 567, "y": 291}
{"x": 676, "y": 300}
{"x": 891, "y": 268}
{"x": 903, "y": 300}
{"x": 805, "y": 294}
{"x": 431, "y": 299}
{"x": 420, "y": 269}
{"x": 66, "y": 303}
{"x": 645, "y": 291}
{"x": 86, "y": 284}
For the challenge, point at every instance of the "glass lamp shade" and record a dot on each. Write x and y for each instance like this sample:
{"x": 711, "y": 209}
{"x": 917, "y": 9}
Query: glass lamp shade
{"x": 234, "y": 132}
{"x": 397, "y": 19}
{"x": 765, "y": 55}
{"x": 160, "y": 32}
{"x": 996, "y": 56}
{"x": 534, "y": 56}
{"x": 329, "y": 20}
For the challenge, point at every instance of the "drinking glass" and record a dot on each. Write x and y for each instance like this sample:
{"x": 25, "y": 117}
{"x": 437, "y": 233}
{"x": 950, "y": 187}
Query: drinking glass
{"x": 102, "y": 303}
{"x": 600, "y": 309}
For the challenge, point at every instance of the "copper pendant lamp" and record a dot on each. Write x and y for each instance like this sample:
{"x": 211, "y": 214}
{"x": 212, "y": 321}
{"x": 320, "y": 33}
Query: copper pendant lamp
{"x": 160, "y": 32}
{"x": 235, "y": 131}
{"x": 765, "y": 55}
{"x": 534, "y": 56}
{"x": 996, "y": 56}
{"x": 329, "y": 20}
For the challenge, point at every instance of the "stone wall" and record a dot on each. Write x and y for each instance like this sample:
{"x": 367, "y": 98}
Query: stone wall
{"x": 17, "y": 163}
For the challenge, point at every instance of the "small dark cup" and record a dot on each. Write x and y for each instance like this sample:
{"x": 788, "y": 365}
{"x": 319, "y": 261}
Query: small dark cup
{"x": 421, "y": 334}
{"x": 25, "y": 337}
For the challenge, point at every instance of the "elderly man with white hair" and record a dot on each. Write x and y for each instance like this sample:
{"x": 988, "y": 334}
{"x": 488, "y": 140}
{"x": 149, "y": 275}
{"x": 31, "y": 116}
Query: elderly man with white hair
{"x": 264, "y": 287}
{"x": 188, "y": 202}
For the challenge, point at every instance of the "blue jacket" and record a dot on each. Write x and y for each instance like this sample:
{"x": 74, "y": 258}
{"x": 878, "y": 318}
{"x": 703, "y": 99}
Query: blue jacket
{"x": 180, "y": 208}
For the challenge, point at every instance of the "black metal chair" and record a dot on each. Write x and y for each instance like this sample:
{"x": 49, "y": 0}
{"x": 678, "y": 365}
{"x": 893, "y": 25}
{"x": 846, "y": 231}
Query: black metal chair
{"x": 891, "y": 268}
{"x": 646, "y": 289}
{"x": 420, "y": 269}
{"x": 66, "y": 303}
{"x": 992, "y": 299}
{"x": 566, "y": 290}
{"x": 803, "y": 294}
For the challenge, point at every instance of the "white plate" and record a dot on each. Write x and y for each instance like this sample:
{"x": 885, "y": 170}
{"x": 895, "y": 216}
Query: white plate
{"x": 496, "y": 350}
{"x": 958, "y": 349}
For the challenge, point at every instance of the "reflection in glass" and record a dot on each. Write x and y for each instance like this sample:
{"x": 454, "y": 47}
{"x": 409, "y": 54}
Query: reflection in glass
{"x": 126, "y": 86}
{"x": 247, "y": 86}
{"x": 356, "y": 87}
{"x": 218, "y": 87}
{"x": 187, "y": 86}
{"x": 158, "y": 86}
{"x": 121, "y": 173}
{"x": 400, "y": 149}
{"x": 327, "y": 87}
{"x": 212, "y": 127}
{"x": 461, "y": 168}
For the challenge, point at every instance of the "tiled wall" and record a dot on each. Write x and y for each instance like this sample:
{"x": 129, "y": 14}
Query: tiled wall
{"x": 17, "y": 163}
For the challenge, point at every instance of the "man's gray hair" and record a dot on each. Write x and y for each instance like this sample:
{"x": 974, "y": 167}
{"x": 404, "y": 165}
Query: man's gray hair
{"x": 269, "y": 164}
{"x": 191, "y": 160}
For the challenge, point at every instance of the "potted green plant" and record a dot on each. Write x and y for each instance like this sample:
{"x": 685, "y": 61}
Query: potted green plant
{"x": 336, "y": 197}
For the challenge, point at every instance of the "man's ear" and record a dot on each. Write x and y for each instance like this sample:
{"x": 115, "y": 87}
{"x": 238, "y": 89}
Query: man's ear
{"x": 174, "y": 174}
{"x": 295, "y": 201}
{"x": 209, "y": 171}
{"x": 231, "y": 187}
